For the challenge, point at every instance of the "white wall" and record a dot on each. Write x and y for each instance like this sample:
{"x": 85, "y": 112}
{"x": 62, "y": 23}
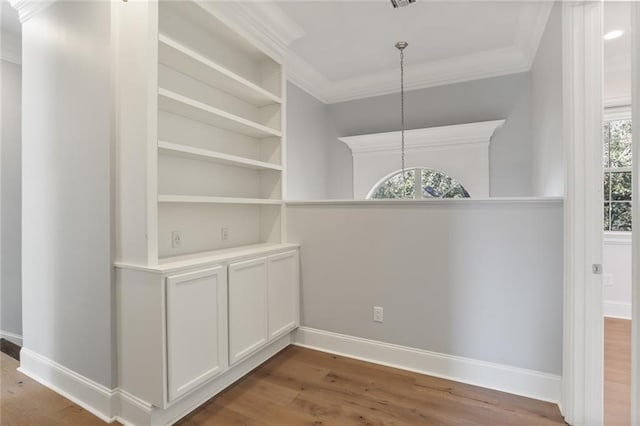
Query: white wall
{"x": 479, "y": 279}
{"x": 546, "y": 110}
{"x": 10, "y": 169}
{"x": 66, "y": 206}
{"x": 497, "y": 98}
{"x": 616, "y": 261}
{"x": 306, "y": 146}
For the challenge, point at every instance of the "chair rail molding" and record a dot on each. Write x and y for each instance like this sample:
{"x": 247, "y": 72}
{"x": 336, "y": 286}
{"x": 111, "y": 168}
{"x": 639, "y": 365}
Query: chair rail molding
{"x": 27, "y": 9}
{"x": 582, "y": 394}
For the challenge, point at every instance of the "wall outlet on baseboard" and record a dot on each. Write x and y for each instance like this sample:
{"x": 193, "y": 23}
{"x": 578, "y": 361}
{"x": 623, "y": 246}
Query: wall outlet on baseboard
{"x": 176, "y": 239}
{"x": 608, "y": 280}
{"x": 378, "y": 314}
{"x": 224, "y": 234}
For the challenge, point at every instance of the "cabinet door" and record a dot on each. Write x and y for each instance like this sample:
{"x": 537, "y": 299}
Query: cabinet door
{"x": 196, "y": 328}
{"x": 247, "y": 307}
{"x": 284, "y": 300}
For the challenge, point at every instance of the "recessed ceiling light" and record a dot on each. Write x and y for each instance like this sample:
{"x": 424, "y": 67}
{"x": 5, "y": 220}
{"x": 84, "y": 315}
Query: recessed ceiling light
{"x": 613, "y": 34}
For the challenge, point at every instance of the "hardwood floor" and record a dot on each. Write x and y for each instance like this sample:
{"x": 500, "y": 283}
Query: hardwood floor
{"x": 301, "y": 386}
{"x": 617, "y": 372}
{"x": 26, "y": 402}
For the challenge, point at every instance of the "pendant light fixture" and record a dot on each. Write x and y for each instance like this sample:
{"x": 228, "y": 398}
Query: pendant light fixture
{"x": 401, "y": 45}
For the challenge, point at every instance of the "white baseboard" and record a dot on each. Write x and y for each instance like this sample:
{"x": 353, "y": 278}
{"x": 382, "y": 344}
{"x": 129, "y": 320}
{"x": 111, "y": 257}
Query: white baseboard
{"x": 617, "y": 310}
{"x": 116, "y": 404}
{"x": 519, "y": 381}
{"x": 92, "y": 396}
{"x": 12, "y": 337}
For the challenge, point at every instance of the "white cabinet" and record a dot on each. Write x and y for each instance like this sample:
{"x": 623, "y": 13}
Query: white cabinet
{"x": 283, "y": 297}
{"x": 247, "y": 307}
{"x": 196, "y": 328}
{"x": 263, "y": 302}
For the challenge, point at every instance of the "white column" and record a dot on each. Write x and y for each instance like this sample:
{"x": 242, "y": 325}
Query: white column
{"x": 582, "y": 400}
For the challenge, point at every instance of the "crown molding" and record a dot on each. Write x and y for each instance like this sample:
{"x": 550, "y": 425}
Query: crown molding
{"x": 492, "y": 63}
{"x": 431, "y": 137}
{"x": 11, "y": 48}
{"x": 267, "y": 25}
{"x": 264, "y": 23}
{"x": 27, "y": 9}
{"x": 531, "y": 25}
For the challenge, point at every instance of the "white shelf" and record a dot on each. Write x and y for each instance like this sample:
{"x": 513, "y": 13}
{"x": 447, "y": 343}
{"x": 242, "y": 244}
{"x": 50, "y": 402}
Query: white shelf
{"x": 193, "y": 64}
{"x": 165, "y": 198}
{"x": 216, "y": 157}
{"x": 190, "y": 108}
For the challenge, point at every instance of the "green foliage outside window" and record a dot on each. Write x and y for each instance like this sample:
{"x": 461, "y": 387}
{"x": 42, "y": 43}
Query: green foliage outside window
{"x": 617, "y": 175}
{"x": 434, "y": 185}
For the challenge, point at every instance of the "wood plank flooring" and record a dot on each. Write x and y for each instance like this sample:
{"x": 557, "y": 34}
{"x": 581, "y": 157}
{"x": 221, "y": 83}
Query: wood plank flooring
{"x": 300, "y": 386}
{"x": 304, "y": 387}
{"x": 617, "y": 372}
{"x": 24, "y": 401}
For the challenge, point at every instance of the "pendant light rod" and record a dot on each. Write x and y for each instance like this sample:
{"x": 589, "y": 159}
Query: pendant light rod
{"x": 401, "y": 45}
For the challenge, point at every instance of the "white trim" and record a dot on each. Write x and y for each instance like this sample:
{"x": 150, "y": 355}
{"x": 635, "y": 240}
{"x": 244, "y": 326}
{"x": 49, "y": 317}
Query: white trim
{"x": 582, "y": 398}
{"x": 617, "y": 102}
{"x": 635, "y": 281}
{"x": 11, "y": 50}
{"x": 475, "y": 66}
{"x": 92, "y": 396}
{"x": 616, "y": 310}
{"x": 12, "y": 337}
{"x": 532, "y": 23}
{"x": 518, "y": 381}
{"x": 27, "y": 9}
{"x": 460, "y": 134}
{"x": 270, "y": 27}
{"x": 425, "y": 202}
{"x": 617, "y": 238}
{"x": 116, "y": 404}
{"x": 618, "y": 112}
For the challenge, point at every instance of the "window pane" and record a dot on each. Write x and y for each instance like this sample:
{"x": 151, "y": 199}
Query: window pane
{"x": 621, "y": 186}
{"x": 620, "y": 143}
{"x": 621, "y": 216}
{"x": 607, "y": 216}
{"x": 439, "y": 185}
{"x": 607, "y": 186}
{"x": 394, "y": 187}
{"x": 605, "y": 138}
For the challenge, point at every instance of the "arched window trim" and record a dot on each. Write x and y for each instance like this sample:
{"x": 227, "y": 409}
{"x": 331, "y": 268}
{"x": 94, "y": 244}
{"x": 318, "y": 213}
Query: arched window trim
{"x": 418, "y": 183}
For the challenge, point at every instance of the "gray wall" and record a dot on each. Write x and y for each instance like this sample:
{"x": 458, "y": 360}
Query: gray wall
{"x": 476, "y": 279}
{"x": 546, "y": 110}
{"x": 66, "y": 228}
{"x": 505, "y": 97}
{"x": 306, "y": 146}
{"x": 10, "y": 169}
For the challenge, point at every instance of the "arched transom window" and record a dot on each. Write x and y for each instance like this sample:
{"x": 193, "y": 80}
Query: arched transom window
{"x": 434, "y": 184}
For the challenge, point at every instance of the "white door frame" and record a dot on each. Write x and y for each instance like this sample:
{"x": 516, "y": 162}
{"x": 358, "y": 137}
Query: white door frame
{"x": 582, "y": 391}
{"x": 635, "y": 300}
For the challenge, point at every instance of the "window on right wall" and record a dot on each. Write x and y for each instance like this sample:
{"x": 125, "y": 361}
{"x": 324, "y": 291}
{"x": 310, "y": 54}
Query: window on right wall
{"x": 617, "y": 175}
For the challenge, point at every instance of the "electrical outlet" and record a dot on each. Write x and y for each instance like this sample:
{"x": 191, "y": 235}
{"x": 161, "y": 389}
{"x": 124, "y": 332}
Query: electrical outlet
{"x": 378, "y": 314}
{"x": 608, "y": 280}
{"x": 176, "y": 239}
{"x": 224, "y": 234}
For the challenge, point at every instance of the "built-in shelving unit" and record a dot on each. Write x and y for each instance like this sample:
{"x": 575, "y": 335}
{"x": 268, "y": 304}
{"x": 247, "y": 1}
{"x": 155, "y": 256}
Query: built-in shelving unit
{"x": 220, "y": 135}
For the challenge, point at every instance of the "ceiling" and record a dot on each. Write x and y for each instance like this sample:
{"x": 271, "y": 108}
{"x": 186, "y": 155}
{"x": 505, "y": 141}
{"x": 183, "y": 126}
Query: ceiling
{"x": 617, "y": 53}
{"x": 342, "y": 50}
{"x": 10, "y": 33}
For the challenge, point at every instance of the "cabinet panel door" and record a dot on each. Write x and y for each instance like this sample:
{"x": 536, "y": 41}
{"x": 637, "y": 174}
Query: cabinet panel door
{"x": 247, "y": 307}
{"x": 284, "y": 300}
{"x": 196, "y": 328}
